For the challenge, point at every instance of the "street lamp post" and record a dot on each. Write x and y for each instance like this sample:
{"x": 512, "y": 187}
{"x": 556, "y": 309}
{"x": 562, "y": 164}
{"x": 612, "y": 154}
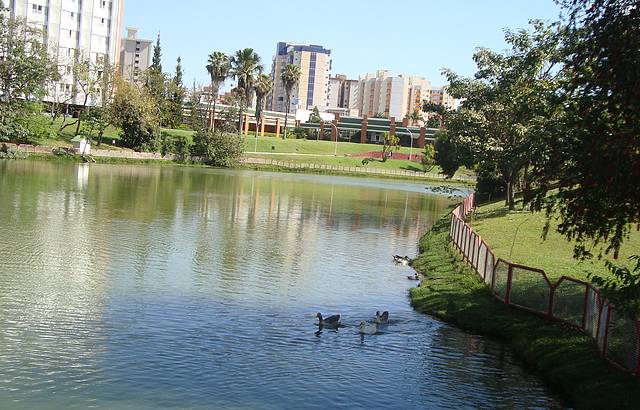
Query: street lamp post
{"x": 411, "y": 138}
{"x": 335, "y": 152}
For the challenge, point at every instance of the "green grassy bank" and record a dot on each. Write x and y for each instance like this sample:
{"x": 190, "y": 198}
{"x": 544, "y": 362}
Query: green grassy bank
{"x": 517, "y": 236}
{"x": 565, "y": 358}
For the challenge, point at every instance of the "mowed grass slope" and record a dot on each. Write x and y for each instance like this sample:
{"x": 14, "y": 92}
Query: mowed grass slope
{"x": 564, "y": 357}
{"x": 516, "y": 236}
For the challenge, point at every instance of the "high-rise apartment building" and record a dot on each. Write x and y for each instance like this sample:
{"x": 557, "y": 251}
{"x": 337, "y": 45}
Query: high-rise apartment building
{"x": 392, "y": 96}
{"x": 73, "y": 28}
{"x": 312, "y": 88}
{"x": 343, "y": 95}
{"x": 135, "y": 56}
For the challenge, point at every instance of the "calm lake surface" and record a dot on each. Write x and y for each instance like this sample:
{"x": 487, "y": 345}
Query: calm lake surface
{"x": 164, "y": 287}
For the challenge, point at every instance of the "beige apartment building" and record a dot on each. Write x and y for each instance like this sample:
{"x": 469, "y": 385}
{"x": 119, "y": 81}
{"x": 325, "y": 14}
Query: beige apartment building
{"x": 398, "y": 96}
{"x": 312, "y": 88}
{"x": 135, "y": 56}
{"x": 342, "y": 96}
{"x": 91, "y": 28}
{"x": 393, "y": 96}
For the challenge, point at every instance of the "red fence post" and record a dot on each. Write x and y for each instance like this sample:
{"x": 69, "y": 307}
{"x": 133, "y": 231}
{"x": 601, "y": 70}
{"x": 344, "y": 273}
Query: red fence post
{"x": 507, "y": 295}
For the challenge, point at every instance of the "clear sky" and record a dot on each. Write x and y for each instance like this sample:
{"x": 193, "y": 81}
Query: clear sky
{"x": 417, "y": 37}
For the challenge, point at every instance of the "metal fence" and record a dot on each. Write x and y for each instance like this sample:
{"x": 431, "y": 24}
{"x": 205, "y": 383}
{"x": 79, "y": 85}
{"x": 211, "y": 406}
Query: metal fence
{"x": 571, "y": 301}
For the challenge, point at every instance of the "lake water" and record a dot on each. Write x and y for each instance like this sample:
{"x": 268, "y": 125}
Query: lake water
{"x": 163, "y": 287}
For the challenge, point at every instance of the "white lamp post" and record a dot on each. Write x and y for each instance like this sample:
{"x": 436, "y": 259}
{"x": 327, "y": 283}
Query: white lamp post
{"x": 410, "y": 149}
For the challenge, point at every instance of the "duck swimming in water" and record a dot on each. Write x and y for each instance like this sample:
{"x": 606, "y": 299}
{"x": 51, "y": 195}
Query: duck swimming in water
{"x": 368, "y": 328}
{"x": 382, "y": 318}
{"x": 402, "y": 260}
{"x": 331, "y": 321}
{"x": 414, "y": 277}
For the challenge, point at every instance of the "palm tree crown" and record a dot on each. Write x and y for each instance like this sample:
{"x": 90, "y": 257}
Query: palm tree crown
{"x": 218, "y": 68}
{"x": 246, "y": 67}
{"x": 290, "y": 76}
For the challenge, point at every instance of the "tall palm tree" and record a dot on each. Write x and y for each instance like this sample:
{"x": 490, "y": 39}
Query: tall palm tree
{"x": 245, "y": 65}
{"x": 290, "y": 77}
{"x": 263, "y": 86}
{"x": 218, "y": 68}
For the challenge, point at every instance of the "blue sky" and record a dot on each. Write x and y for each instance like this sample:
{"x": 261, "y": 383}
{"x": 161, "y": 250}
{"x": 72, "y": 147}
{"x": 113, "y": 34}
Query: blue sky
{"x": 416, "y": 37}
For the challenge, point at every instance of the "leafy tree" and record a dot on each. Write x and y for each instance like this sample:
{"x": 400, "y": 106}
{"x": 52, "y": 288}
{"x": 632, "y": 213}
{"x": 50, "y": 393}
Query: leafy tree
{"x": 263, "y": 87}
{"x": 290, "y": 77}
{"x": 449, "y": 154}
{"x": 245, "y": 67}
{"x": 391, "y": 144}
{"x": 218, "y": 67}
{"x": 438, "y": 112}
{"x": 26, "y": 70}
{"x": 622, "y": 288}
{"x": 509, "y": 103}
{"x": 96, "y": 121}
{"x": 134, "y": 110}
{"x": 93, "y": 83}
{"x": 197, "y": 116}
{"x": 315, "y": 116}
{"x": 593, "y": 158}
{"x": 428, "y": 157}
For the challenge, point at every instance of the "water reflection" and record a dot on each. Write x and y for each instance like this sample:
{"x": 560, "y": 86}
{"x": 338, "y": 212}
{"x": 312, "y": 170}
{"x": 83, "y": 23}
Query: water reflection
{"x": 130, "y": 287}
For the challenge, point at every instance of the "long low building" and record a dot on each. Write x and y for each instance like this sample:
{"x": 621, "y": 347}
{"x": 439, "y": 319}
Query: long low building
{"x": 347, "y": 129}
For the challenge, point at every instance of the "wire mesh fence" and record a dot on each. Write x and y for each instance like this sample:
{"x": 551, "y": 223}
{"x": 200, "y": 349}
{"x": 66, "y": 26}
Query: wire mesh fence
{"x": 569, "y": 300}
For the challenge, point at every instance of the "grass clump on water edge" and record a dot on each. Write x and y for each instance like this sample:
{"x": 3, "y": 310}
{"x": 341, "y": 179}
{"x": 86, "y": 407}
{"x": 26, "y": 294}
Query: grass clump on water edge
{"x": 565, "y": 358}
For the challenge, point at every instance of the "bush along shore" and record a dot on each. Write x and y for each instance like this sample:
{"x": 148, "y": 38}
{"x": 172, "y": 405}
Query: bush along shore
{"x": 566, "y": 359}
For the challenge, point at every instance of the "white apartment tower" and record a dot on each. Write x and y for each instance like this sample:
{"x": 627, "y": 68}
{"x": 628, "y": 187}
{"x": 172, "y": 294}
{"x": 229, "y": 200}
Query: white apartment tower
{"x": 73, "y": 27}
{"x": 311, "y": 91}
{"x": 135, "y": 57}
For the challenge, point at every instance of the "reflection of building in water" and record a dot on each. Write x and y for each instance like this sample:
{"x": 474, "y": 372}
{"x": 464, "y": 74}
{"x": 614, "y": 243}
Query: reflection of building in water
{"x": 63, "y": 294}
{"x": 83, "y": 175}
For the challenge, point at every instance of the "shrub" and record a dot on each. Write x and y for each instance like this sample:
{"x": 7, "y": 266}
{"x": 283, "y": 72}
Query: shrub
{"x": 428, "y": 158}
{"x": 221, "y": 149}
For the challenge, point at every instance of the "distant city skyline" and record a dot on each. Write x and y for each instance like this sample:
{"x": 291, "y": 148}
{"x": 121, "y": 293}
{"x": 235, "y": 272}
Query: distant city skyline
{"x": 411, "y": 37}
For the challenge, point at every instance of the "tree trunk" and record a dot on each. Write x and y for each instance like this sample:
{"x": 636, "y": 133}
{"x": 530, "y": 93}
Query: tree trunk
{"x": 286, "y": 117}
{"x": 213, "y": 116}
{"x": 509, "y": 200}
{"x": 240, "y": 115}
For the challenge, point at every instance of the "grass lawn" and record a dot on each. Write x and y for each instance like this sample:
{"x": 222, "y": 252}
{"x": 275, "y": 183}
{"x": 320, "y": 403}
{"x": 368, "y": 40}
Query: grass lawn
{"x": 517, "y": 236}
{"x": 301, "y": 146}
{"x": 567, "y": 359}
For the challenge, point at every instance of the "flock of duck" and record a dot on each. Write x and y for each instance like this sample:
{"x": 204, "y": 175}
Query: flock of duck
{"x": 367, "y": 328}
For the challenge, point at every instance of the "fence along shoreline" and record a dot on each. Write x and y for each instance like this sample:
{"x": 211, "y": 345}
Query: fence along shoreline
{"x": 568, "y": 300}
